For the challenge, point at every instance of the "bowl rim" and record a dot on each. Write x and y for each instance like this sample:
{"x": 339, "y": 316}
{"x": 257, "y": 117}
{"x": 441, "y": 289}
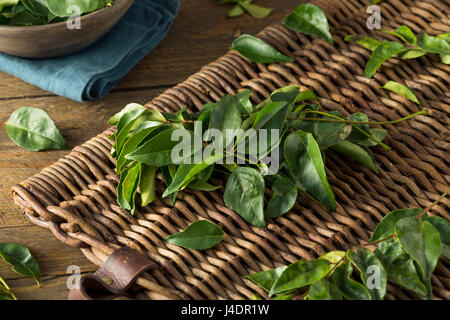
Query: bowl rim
{"x": 89, "y": 15}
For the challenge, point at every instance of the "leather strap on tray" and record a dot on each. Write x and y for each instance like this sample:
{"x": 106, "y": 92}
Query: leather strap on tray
{"x": 114, "y": 278}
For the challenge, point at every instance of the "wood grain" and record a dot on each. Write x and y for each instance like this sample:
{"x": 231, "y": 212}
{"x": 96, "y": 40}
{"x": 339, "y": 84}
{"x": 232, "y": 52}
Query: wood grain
{"x": 201, "y": 34}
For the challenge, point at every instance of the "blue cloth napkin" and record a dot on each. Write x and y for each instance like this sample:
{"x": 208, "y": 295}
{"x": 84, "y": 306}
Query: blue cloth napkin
{"x": 92, "y": 72}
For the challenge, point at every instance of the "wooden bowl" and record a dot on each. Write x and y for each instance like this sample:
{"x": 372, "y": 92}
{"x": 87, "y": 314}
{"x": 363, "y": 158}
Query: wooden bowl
{"x": 53, "y": 40}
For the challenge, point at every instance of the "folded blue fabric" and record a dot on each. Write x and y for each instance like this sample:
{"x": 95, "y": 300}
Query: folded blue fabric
{"x": 92, "y": 72}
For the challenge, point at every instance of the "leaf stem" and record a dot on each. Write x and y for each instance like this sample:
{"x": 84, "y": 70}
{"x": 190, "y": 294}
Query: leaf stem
{"x": 442, "y": 196}
{"x": 8, "y": 289}
{"x": 338, "y": 119}
{"x": 378, "y": 241}
{"x": 385, "y": 146}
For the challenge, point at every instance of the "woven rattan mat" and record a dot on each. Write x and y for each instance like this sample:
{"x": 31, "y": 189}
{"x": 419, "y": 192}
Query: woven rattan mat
{"x": 75, "y": 197}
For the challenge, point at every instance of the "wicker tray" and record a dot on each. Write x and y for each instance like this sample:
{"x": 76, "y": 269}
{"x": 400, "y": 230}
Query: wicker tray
{"x": 75, "y": 197}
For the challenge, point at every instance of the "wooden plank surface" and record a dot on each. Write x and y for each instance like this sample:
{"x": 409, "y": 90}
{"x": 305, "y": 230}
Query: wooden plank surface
{"x": 201, "y": 34}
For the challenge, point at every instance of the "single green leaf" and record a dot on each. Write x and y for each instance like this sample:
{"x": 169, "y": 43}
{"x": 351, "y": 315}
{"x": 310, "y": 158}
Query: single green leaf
{"x": 309, "y": 19}
{"x": 372, "y": 272}
{"x": 283, "y": 199}
{"x": 147, "y": 184}
{"x": 266, "y": 279}
{"x": 32, "y": 129}
{"x": 199, "y": 235}
{"x": 400, "y": 267}
{"x": 364, "y": 41}
{"x": 257, "y": 50}
{"x": 380, "y": 55}
{"x": 300, "y": 274}
{"x": 258, "y": 12}
{"x": 304, "y": 160}
{"x": 433, "y": 44}
{"x": 402, "y": 90}
{"x": 404, "y": 33}
{"x": 244, "y": 194}
{"x": 349, "y": 288}
{"x": 443, "y": 226}
{"x": 324, "y": 290}
{"x": 357, "y": 153}
{"x": 21, "y": 260}
{"x": 421, "y": 241}
{"x": 386, "y": 226}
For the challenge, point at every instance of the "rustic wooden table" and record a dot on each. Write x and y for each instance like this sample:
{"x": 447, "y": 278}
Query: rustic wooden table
{"x": 201, "y": 33}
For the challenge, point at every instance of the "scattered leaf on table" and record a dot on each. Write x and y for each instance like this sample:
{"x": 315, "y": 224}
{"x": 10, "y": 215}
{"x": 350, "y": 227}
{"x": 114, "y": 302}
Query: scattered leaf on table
{"x": 21, "y": 260}
{"x": 33, "y": 130}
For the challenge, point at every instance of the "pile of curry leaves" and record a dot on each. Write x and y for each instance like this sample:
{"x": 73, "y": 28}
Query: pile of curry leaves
{"x": 143, "y": 147}
{"x": 39, "y": 12}
{"x": 408, "y": 246}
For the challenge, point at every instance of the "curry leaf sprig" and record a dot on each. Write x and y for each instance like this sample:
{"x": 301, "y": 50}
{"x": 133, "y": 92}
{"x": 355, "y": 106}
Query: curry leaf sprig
{"x": 22, "y": 262}
{"x": 292, "y": 162}
{"x": 39, "y": 12}
{"x": 410, "y": 47}
{"x": 408, "y": 245}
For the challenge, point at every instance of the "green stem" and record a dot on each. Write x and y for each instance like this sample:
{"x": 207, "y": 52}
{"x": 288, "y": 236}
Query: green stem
{"x": 385, "y": 146}
{"x": 8, "y": 289}
{"x": 338, "y": 119}
{"x": 427, "y": 209}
